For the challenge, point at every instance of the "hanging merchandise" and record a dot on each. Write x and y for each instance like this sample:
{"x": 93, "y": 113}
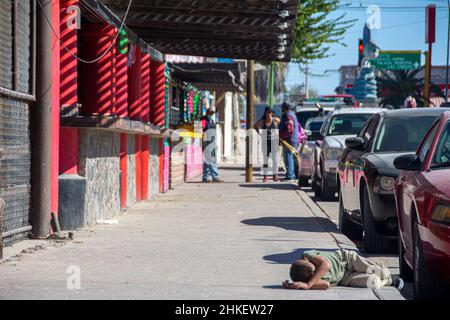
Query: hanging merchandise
{"x": 185, "y": 111}
{"x": 196, "y": 104}
{"x": 190, "y": 104}
{"x": 166, "y": 95}
{"x": 206, "y": 102}
{"x": 123, "y": 42}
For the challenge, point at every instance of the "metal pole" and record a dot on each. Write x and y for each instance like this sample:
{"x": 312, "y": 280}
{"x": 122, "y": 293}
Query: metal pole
{"x": 448, "y": 54}
{"x": 41, "y": 126}
{"x": 426, "y": 88}
{"x": 250, "y": 108}
{"x": 271, "y": 84}
{"x": 306, "y": 81}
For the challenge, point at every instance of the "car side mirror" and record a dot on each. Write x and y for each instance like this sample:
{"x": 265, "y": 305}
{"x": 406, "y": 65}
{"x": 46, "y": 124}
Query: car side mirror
{"x": 308, "y": 132}
{"x": 409, "y": 162}
{"x": 355, "y": 143}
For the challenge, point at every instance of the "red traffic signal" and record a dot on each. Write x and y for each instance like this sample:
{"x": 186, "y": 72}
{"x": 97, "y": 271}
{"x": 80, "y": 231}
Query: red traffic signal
{"x": 360, "y": 51}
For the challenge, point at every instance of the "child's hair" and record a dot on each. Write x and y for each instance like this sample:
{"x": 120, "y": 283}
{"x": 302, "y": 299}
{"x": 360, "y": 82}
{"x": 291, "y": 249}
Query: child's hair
{"x": 301, "y": 270}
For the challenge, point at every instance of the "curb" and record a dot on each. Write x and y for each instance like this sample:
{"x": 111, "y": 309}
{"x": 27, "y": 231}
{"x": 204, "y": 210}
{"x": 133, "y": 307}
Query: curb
{"x": 341, "y": 240}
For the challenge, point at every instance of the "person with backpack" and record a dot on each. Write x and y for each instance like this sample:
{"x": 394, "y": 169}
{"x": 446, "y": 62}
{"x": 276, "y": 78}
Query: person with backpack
{"x": 268, "y": 125}
{"x": 290, "y": 133}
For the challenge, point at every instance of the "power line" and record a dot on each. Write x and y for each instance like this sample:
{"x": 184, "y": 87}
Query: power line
{"x": 400, "y": 25}
{"x": 74, "y": 55}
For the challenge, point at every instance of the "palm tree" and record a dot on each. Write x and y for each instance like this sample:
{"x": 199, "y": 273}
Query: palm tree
{"x": 399, "y": 84}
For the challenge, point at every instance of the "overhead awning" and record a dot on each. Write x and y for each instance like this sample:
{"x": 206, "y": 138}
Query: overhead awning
{"x": 211, "y": 76}
{"x": 240, "y": 29}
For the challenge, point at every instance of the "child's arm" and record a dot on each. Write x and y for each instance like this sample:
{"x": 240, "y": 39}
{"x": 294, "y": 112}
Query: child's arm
{"x": 322, "y": 267}
{"x": 320, "y": 285}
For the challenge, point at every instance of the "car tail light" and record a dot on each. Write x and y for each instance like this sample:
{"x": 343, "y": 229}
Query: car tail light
{"x": 441, "y": 213}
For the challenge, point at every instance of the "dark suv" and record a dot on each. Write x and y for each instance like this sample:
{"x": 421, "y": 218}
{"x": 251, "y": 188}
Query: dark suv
{"x": 367, "y": 174}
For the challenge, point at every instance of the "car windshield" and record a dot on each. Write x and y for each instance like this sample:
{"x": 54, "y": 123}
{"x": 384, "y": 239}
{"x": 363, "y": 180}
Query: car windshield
{"x": 402, "y": 134}
{"x": 304, "y": 116}
{"x": 442, "y": 155}
{"x": 314, "y": 126}
{"x": 347, "y": 124}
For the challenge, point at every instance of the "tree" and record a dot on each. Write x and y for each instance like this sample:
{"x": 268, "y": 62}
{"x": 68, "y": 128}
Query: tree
{"x": 315, "y": 30}
{"x": 399, "y": 84}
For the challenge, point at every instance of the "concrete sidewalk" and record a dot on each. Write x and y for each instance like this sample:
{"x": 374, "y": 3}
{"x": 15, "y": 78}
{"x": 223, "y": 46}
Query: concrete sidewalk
{"x": 201, "y": 241}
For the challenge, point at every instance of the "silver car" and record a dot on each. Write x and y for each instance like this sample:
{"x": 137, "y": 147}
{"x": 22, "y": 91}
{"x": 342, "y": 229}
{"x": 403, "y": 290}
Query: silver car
{"x": 312, "y": 129}
{"x": 338, "y": 126}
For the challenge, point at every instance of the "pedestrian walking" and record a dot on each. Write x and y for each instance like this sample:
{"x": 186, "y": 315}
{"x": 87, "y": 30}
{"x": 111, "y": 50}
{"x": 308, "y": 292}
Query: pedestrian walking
{"x": 290, "y": 133}
{"x": 324, "y": 269}
{"x": 267, "y": 126}
{"x": 209, "y": 147}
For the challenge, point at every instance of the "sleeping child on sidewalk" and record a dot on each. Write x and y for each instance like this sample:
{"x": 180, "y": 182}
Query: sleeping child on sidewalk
{"x": 321, "y": 270}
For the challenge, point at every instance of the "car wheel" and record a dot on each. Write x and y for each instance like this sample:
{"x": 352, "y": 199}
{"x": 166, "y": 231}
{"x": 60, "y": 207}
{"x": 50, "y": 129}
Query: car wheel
{"x": 406, "y": 272}
{"x": 347, "y": 227}
{"x": 303, "y": 181}
{"x": 327, "y": 193}
{"x": 373, "y": 241}
{"x": 426, "y": 286}
{"x": 315, "y": 185}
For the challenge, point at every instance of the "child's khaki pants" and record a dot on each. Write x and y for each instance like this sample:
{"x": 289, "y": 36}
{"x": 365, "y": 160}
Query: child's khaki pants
{"x": 364, "y": 273}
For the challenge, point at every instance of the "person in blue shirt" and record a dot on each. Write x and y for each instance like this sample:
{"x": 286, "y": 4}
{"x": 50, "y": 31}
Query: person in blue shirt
{"x": 289, "y": 132}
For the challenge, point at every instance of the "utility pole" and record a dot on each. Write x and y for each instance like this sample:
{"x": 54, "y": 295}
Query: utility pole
{"x": 41, "y": 126}
{"x": 306, "y": 81}
{"x": 250, "y": 108}
{"x": 448, "y": 53}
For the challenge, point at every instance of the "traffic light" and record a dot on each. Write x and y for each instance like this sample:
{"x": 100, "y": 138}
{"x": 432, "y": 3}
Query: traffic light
{"x": 360, "y": 52}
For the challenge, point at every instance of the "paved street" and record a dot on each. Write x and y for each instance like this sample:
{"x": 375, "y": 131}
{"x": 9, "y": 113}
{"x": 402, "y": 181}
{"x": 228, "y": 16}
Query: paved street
{"x": 200, "y": 241}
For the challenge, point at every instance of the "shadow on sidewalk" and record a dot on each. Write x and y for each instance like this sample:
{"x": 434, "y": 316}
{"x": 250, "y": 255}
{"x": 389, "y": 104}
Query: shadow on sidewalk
{"x": 306, "y": 224}
{"x": 276, "y": 186}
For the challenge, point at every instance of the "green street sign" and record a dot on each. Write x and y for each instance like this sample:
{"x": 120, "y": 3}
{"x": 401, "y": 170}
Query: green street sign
{"x": 397, "y": 60}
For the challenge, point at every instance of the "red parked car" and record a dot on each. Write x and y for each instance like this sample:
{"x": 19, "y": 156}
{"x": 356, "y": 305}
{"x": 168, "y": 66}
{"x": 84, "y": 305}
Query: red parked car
{"x": 422, "y": 196}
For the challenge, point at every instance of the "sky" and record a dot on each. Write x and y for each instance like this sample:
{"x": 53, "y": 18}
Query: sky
{"x": 402, "y": 27}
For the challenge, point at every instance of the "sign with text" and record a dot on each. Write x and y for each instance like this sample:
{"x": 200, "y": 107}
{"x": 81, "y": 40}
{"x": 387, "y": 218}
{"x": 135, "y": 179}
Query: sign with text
{"x": 397, "y": 60}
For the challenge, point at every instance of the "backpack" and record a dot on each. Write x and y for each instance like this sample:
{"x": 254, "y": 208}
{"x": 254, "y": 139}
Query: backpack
{"x": 301, "y": 134}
